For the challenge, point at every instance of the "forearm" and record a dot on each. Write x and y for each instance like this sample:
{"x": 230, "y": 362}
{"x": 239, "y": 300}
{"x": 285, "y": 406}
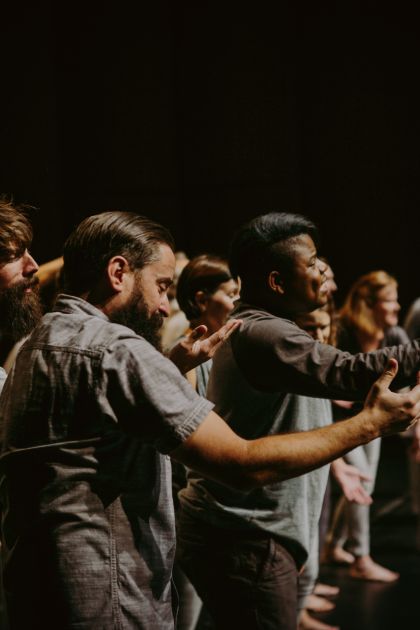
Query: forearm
{"x": 280, "y": 457}
{"x": 215, "y": 451}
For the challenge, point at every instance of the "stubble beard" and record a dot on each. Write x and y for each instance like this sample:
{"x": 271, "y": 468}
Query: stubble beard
{"x": 20, "y": 309}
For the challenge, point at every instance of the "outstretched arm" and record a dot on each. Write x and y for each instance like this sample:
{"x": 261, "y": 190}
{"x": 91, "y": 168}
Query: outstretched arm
{"x": 217, "y": 452}
{"x": 285, "y": 358}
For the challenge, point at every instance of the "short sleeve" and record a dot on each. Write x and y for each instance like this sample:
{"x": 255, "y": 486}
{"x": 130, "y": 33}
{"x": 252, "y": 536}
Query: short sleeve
{"x": 148, "y": 396}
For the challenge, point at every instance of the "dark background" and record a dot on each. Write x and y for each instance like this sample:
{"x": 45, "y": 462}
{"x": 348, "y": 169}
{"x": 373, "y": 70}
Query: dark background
{"x": 204, "y": 114}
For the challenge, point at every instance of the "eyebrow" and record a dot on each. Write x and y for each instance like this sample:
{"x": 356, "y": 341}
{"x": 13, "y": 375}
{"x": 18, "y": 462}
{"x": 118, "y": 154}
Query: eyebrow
{"x": 166, "y": 279}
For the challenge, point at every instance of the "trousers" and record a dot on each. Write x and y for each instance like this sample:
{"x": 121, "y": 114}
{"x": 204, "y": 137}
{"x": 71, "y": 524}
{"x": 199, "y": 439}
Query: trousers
{"x": 246, "y": 579}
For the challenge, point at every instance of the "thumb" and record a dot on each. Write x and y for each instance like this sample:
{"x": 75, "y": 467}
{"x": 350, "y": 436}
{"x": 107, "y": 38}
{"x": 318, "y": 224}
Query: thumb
{"x": 388, "y": 375}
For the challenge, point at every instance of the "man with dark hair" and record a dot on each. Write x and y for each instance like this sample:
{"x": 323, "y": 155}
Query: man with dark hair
{"x": 20, "y": 307}
{"x": 242, "y": 551}
{"x": 89, "y": 414}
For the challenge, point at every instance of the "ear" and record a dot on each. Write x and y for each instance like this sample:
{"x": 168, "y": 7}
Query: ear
{"x": 275, "y": 282}
{"x": 200, "y": 299}
{"x": 117, "y": 270}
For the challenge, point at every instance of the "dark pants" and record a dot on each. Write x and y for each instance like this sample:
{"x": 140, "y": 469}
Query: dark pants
{"x": 246, "y": 580}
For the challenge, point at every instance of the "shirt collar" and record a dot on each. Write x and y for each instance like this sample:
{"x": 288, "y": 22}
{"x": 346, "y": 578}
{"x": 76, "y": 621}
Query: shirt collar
{"x": 72, "y": 304}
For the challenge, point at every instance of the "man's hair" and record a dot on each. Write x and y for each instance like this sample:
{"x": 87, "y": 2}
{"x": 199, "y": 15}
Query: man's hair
{"x": 15, "y": 230}
{"x": 203, "y": 273}
{"x": 266, "y": 244}
{"x": 98, "y": 238}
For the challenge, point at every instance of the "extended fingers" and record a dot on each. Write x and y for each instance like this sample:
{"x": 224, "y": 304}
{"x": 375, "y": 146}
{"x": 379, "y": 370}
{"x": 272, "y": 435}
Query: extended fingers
{"x": 198, "y": 332}
{"x": 226, "y": 330}
{"x": 364, "y": 477}
{"x": 386, "y": 378}
{"x": 362, "y": 497}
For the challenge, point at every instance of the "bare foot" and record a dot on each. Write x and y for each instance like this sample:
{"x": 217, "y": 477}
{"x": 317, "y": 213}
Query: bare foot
{"x": 306, "y": 622}
{"x": 364, "y": 568}
{"x": 318, "y": 604}
{"x": 326, "y": 590}
{"x": 337, "y": 555}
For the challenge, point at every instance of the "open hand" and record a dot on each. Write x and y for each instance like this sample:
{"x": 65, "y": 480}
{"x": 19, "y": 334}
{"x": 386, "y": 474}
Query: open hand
{"x": 350, "y": 480}
{"x": 196, "y": 348}
{"x": 390, "y": 411}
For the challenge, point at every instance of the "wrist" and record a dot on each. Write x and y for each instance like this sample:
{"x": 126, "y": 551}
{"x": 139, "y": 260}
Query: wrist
{"x": 370, "y": 422}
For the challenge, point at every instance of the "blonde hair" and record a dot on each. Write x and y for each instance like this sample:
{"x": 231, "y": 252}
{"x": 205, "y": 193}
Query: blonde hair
{"x": 357, "y": 312}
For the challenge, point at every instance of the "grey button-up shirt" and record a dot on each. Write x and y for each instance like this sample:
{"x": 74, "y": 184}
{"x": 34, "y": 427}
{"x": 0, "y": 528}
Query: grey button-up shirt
{"x": 87, "y": 415}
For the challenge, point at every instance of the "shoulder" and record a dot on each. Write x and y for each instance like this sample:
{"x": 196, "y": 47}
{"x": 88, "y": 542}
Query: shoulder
{"x": 395, "y": 336}
{"x": 261, "y": 327}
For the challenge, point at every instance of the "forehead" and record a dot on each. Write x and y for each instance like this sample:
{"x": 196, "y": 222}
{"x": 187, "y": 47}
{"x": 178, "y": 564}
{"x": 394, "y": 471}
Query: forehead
{"x": 388, "y": 293}
{"x": 164, "y": 265}
{"x": 302, "y": 246}
{"x": 229, "y": 285}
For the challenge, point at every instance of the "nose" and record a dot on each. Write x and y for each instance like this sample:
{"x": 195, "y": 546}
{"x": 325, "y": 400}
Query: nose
{"x": 322, "y": 268}
{"x": 30, "y": 266}
{"x": 318, "y": 335}
{"x": 164, "y": 307}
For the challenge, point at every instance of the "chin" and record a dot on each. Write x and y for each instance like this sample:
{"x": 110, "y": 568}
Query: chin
{"x": 322, "y": 300}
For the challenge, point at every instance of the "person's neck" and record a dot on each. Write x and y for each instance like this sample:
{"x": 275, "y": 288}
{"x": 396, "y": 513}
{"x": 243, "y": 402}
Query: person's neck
{"x": 371, "y": 342}
{"x": 274, "y": 306}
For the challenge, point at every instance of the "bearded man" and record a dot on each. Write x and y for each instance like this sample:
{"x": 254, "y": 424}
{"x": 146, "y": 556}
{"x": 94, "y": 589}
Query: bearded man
{"x": 20, "y": 307}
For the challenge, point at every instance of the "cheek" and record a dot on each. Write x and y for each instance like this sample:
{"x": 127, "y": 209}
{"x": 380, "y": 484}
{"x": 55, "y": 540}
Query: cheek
{"x": 8, "y": 277}
{"x": 220, "y": 308}
{"x": 316, "y": 281}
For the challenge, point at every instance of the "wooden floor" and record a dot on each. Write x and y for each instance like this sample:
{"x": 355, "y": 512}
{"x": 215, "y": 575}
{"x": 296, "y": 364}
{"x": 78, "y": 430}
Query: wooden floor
{"x": 371, "y": 605}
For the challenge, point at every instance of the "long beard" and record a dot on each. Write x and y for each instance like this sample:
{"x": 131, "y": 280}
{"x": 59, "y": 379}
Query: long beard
{"x": 135, "y": 316}
{"x": 20, "y": 310}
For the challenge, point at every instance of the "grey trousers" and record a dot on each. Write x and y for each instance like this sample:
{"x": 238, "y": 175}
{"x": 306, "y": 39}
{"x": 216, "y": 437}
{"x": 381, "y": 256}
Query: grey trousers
{"x": 350, "y": 524}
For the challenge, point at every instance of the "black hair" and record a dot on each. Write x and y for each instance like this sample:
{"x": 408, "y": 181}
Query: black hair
{"x": 266, "y": 243}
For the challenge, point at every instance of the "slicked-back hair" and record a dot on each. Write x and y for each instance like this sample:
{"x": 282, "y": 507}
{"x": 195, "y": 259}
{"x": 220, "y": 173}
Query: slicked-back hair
{"x": 15, "y": 230}
{"x": 203, "y": 273}
{"x": 100, "y": 237}
{"x": 266, "y": 244}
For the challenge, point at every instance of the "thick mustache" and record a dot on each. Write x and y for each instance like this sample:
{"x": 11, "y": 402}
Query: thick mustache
{"x": 30, "y": 282}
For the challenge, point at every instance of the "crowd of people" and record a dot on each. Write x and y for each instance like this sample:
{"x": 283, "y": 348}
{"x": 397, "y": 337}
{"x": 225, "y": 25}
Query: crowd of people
{"x": 167, "y": 425}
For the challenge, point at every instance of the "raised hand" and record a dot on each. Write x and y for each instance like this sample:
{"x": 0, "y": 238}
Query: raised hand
{"x": 390, "y": 411}
{"x": 196, "y": 348}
